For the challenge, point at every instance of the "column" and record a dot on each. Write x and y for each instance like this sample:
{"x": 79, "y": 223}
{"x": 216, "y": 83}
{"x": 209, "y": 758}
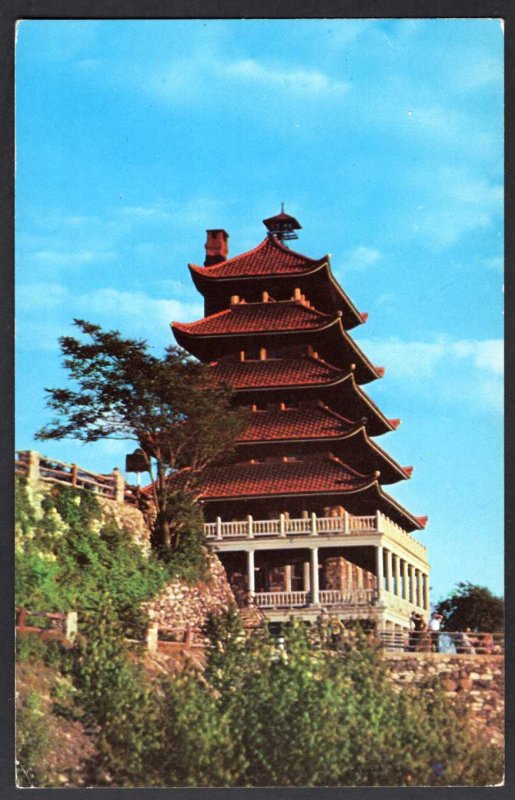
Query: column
{"x": 389, "y": 587}
{"x": 251, "y": 583}
{"x": 397, "y": 564}
{"x": 420, "y": 594}
{"x": 379, "y": 571}
{"x": 287, "y": 578}
{"x": 426, "y": 591}
{"x": 405, "y": 580}
{"x": 306, "y": 584}
{"x": 411, "y": 584}
{"x": 315, "y": 598}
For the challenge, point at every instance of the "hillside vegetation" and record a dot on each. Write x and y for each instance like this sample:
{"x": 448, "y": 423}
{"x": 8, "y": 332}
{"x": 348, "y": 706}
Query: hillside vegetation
{"x": 261, "y": 712}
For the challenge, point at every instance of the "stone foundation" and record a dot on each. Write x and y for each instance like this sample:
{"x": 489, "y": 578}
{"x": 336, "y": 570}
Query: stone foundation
{"x": 182, "y": 605}
{"x": 477, "y": 680}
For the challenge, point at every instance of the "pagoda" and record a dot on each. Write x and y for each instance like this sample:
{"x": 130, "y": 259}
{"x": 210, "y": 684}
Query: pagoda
{"x": 299, "y": 516}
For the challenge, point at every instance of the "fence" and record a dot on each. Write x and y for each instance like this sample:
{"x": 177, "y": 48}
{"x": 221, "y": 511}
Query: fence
{"x": 53, "y": 625}
{"x": 448, "y": 642}
{"x": 36, "y": 467}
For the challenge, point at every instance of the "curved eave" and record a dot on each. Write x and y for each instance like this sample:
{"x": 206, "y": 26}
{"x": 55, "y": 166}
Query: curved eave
{"x": 388, "y": 424}
{"x": 204, "y": 281}
{"x": 391, "y": 471}
{"x": 368, "y": 372}
{"x": 411, "y": 522}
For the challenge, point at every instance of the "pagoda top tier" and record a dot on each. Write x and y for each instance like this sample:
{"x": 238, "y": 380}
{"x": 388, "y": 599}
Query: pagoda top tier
{"x": 282, "y": 226}
{"x": 270, "y": 257}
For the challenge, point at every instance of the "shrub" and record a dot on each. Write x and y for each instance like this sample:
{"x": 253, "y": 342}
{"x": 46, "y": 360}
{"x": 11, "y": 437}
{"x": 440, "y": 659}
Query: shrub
{"x": 32, "y": 743}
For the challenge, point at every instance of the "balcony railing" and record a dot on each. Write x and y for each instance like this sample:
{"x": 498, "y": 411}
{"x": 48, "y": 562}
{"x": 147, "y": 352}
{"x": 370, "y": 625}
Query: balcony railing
{"x": 283, "y": 526}
{"x": 327, "y": 597}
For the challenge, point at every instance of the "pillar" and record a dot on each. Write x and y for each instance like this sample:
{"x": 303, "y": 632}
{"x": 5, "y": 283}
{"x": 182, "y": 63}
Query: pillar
{"x": 420, "y": 593}
{"x": 251, "y": 583}
{"x": 315, "y": 598}
{"x": 411, "y": 584}
{"x": 397, "y": 565}
{"x": 405, "y": 580}
{"x": 287, "y": 578}
{"x": 426, "y": 591}
{"x": 306, "y": 583}
{"x": 379, "y": 571}
{"x": 389, "y": 587}
{"x": 151, "y": 637}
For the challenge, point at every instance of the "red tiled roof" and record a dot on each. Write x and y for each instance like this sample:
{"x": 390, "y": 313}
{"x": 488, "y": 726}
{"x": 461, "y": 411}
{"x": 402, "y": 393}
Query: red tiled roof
{"x": 296, "y": 423}
{"x": 324, "y": 474}
{"x": 275, "y": 372}
{"x": 257, "y": 317}
{"x": 270, "y": 257}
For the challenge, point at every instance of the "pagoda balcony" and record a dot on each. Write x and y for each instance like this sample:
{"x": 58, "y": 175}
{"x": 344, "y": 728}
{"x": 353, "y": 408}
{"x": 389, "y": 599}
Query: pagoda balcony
{"x": 327, "y": 598}
{"x": 316, "y": 531}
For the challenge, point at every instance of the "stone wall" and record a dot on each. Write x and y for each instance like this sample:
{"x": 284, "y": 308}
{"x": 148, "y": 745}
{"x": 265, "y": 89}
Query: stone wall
{"x": 128, "y": 517}
{"x": 476, "y": 680}
{"x": 182, "y": 605}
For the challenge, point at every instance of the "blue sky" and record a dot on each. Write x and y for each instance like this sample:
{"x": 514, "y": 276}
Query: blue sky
{"x": 384, "y": 138}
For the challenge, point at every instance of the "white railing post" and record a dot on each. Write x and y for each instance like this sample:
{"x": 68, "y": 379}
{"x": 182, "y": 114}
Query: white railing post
{"x": 314, "y": 528}
{"x": 250, "y": 528}
{"x": 152, "y": 636}
{"x": 33, "y": 474}
{"x": 346, "y": 522}
{"x": 219, "y": 528}
{"x": 282, "y": 527}
{"x": 118, "y": 486}
{"x": 70, "y": 625}
{"x": 378, "y": 521}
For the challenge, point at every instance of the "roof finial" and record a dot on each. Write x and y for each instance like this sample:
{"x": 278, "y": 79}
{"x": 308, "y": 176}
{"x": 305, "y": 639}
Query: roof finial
{"x": 283, "y": 226}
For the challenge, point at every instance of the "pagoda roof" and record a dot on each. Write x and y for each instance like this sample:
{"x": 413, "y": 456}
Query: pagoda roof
{"x": 268, "y": 318}
{"x": 323, "y": 475}
{"x": 314, "y": 475}
{"x": 270, "y": 257}
{"x": 319, "y": 423}
{"x": 295, "y": 373}
{"x": 284, "y": 315}
{"x": 292, "y": 424}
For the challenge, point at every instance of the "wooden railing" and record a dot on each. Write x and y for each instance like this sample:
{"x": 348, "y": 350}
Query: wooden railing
{"x": 280, "y": 599}
{"x": 52, "y": 624}
{"x": 36, "y": 467}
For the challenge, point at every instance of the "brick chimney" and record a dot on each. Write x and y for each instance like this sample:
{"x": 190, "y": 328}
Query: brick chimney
{"x": 216, "y": 246}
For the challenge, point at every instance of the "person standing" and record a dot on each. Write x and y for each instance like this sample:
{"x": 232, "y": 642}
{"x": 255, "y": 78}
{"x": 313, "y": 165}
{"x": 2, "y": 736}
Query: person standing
{"x": 435, "y": 624}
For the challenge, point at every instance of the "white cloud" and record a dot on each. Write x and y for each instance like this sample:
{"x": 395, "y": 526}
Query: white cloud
{"x": 63, "y": 258}
{"x": 459, "y": 371}
{"x": 453, "y": 203}
{"x": 135, "y": 313}
{"x": 496, "y": 263}
{"x": 360, "y": 257}
{"x": 290, "y": 77}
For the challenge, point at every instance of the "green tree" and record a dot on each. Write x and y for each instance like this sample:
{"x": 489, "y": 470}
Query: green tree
{"x": 474, "y": 607}
{"x": 180, "y": 419}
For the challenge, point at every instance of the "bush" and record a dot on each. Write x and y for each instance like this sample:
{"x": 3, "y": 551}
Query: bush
{"x": 32, "y": 743}
{"x": 68, "y": 558}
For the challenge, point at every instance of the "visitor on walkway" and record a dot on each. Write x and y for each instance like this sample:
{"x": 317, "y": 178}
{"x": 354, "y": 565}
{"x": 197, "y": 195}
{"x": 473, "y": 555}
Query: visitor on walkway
{"x": 435, "y": 624}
